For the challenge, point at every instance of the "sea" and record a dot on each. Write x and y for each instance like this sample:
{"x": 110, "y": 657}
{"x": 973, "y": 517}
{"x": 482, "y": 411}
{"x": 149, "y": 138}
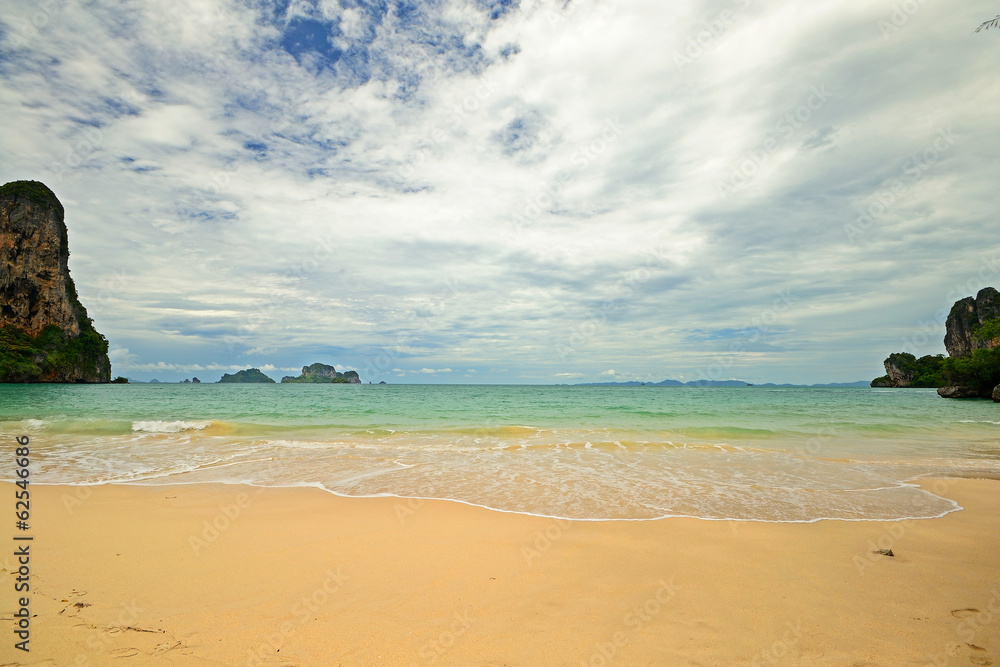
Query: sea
{"x": 593, "y": 453}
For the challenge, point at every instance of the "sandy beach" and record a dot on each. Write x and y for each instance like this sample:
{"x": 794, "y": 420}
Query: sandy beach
{"x": 236, "y": 575}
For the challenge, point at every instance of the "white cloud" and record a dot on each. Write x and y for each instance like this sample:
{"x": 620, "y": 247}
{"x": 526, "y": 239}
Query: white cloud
{"x": 121, "y": 358}
{"x": 404, "y": 207}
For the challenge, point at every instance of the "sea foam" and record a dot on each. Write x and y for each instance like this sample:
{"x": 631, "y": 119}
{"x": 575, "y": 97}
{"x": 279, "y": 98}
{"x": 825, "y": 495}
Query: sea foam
{"x": 169, "y": 426}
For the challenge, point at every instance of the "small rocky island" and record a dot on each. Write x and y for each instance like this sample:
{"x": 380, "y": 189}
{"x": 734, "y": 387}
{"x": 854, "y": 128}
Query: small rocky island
{"x": 972, "y": 367}
{"x": 314, "y": 374}
{"x": 248, "y": 376}
{"x": 45, "y": 333}
{"x": 323, "y": 374}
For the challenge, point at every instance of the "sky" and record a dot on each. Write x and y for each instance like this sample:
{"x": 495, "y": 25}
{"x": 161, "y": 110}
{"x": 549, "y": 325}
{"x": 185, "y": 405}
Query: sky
{"x": 494, "y": 191}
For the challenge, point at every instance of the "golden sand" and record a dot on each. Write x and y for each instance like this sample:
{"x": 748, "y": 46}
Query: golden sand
{"x": 234, "y": 575}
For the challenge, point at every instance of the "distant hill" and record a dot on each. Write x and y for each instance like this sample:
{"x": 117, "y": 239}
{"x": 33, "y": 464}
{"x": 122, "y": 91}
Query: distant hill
{"x": 668, "y": 383}
{"x": 722, "y": 383}
{"x": 860, "y": 384}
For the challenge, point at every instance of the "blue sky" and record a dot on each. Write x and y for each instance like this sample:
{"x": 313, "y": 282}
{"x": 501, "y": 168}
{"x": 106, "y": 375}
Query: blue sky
{"x": 495, "y": 191}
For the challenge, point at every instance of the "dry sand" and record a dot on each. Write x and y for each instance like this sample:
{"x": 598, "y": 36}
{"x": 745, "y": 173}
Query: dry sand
{"x": 135, "y": 575}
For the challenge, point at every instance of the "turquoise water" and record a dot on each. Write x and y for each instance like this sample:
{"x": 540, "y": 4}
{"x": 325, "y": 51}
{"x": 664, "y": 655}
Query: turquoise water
{"x": 777, "y": 454}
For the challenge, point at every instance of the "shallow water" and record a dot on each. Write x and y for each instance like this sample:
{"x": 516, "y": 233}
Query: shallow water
{"x": 577, "y": 452}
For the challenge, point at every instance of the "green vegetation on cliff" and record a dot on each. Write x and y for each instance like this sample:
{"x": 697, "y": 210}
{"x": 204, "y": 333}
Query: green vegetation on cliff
{"x": 979, "y": 371}
{"x": 988, "y": 330}
{"x": 925, "y": 371}
{"x": 34, "y": 191}
{"x": 250, "y": 375}
{"x": 50, "y": 355}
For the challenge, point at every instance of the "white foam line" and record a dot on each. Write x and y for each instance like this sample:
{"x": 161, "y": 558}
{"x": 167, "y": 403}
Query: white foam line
{"x": 956, "y": 507}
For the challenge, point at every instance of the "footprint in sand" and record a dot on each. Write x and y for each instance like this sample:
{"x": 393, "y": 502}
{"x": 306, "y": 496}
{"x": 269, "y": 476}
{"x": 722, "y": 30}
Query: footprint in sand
{"x": 124, "y": 652}
{"x": 964, "y": 613}
{"x": 165, "y": 647}
{"x": 980, "y": 656}
{"x": 75, "y": 607}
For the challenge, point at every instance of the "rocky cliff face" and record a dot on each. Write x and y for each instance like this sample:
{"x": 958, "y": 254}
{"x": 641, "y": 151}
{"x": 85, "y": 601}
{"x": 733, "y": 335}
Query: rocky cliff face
{"x": 900, "y": 377}
{"x": 972, "y": 368}
{"x": 965, "y": 316}
{"x": 323, "y": 374}
{"x": 905, "y": 370}
{"x": 35, "y": 287}
{"x": 972, "y": 339}
{"x": 45, "y": 333}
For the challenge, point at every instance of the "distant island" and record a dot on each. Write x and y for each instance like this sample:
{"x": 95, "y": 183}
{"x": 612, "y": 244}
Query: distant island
{"x": 248, "y": 376}
{"x": 667, "y": 383}
{"x": 313, "y": 374}
{"x": 972, "y": 367}
{"x": 323, "y": 374}
{"x": 45, "y": 333}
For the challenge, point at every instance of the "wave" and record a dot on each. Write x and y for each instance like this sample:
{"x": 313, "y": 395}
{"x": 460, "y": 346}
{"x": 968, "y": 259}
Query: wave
{"x": 158, "y": 426}
{"x": 606, "y": 480}
{"x": 23, "y": 424}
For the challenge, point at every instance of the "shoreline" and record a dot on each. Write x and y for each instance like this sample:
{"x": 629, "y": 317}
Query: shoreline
{"x": 204, "y": 573}
{"x": 912, "y": 483}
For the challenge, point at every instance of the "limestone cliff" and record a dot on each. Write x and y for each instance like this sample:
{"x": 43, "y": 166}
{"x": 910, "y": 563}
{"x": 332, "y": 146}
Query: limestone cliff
{"x": 966, "y": 316}
{"x": 323, "y": 374}
{"x": 898, "y": 372}
{"x": 972, "y": 338}
{"x": 45, "y": 333}
{"x": 972, "y": 367}
{"x": 905, "y": 370}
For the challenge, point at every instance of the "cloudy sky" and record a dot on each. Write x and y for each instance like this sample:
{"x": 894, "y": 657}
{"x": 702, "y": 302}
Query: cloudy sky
{"x": 495, "y": 191}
